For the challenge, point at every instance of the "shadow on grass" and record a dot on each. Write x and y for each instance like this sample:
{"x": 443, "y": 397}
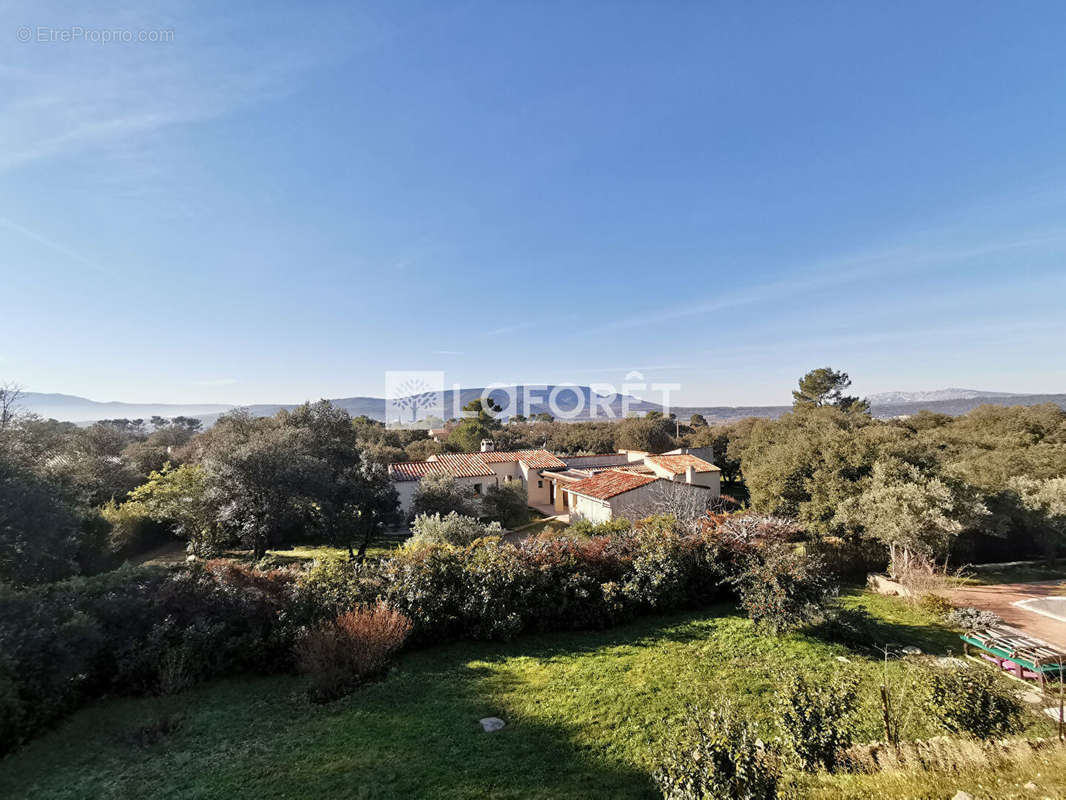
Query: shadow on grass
{"x": 896, "y": 625}
{"x": 415, "y": 734}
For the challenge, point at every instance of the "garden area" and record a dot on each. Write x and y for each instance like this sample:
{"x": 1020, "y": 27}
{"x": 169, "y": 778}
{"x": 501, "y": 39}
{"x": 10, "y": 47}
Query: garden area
{"x": 587, "y": 715}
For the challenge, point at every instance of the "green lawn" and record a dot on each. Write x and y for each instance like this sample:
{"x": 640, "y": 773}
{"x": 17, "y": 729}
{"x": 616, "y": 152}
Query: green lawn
{"x": 586, "y": 714}
{"x": 175, "y": 552}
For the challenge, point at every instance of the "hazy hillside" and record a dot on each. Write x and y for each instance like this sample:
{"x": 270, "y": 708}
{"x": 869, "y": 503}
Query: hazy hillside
{"x": 894, "y": 398}
{"x": 886, "y": 405}
{"x": 70, "y": 408}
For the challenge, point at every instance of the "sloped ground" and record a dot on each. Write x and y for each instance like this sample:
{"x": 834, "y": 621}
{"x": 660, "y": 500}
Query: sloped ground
{"x": 587, "y": 714}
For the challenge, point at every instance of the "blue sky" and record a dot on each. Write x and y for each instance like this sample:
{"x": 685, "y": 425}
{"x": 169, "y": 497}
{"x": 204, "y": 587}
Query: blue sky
{"x": 287, "y": 200}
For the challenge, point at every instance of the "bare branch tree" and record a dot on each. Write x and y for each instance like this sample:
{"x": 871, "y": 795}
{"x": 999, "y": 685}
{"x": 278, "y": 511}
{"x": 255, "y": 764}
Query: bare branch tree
{"x": 687, "y": 502}
{"x": 9, "y": 403}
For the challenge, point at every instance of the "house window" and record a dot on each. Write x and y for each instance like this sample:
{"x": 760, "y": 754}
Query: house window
{"x": 540, "y": 484}
{"x": 477, "y": 488}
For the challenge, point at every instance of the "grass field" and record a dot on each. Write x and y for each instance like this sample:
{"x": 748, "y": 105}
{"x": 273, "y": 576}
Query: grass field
{"x": 587, "y": 714}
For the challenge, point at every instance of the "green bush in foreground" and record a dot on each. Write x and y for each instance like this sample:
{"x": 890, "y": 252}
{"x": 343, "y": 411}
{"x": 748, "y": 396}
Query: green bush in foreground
{"x": 972, "y": 701}
{"x": 815, "y": 721}
{"x": 718, "y": 758}
{"x": 783, "y": 588}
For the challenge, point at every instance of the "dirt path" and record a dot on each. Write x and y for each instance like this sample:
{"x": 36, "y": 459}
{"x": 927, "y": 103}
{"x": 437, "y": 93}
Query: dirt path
{"x": 999, "y": 599}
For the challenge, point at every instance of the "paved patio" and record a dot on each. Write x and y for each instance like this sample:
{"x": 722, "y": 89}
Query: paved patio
{"x": 999, "y": 599}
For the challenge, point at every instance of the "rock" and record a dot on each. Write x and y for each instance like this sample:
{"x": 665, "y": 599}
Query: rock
{"x": 491, "y": 724}
{"x": 961, "y": 795}
{"x": 843, "y": 660}
{"x": 911, "y": 650}
{"x": 1030, "y": 786}
{"x": 1032, "y": 697}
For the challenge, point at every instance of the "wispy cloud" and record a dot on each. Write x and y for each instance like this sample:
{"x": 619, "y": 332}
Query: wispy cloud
{"x": 55, "y": 246}
{"x": 833, "y": 273}
{"x": 64, "y": 99}
{"x": 520, "y": 326}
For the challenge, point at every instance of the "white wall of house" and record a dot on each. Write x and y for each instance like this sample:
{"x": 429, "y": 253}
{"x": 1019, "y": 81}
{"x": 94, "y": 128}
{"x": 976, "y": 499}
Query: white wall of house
{"x": 536, "y": 486}
{"x": 712, "y": 480}
{"x": 595, "y": 511}
{"x": 406, "y": 491}
{"x": 636, "y": 503}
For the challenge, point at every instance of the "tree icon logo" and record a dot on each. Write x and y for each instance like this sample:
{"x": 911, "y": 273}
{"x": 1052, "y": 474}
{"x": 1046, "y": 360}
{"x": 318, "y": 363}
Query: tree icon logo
{"x": 412, "y": 397}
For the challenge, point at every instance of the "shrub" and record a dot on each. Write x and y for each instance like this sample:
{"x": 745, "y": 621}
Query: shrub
{"x": 132, "y": 529}
{"x": 854, "y": 627}
{"x": 972, "y": 619}
{"x": 351, "y": 648}
{"x": 584, "y": 527}
{"x": 440, "y": 494}
{"x": 783, "y": 588}
{"x": 972, "y": 701}
{"x": 137, "y": 630}
{"x": 454, "y": 529}
{"x": 718, "y": 757}
{"x": 815, "y": 722}
{"x": 507, "y": 504}
{"x": 935, "y": 604}
{"x": 40, "y": 534}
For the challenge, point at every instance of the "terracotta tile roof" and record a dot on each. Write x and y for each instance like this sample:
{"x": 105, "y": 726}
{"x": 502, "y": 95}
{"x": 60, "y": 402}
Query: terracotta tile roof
{"x": 471, "y": 465}
{"x": 537, "y": 459}
{"x": 679, "y": 463}
{"x": 607, "y": 484}
{"x": 413, "y": 470}
{"x": 464, "y": 465}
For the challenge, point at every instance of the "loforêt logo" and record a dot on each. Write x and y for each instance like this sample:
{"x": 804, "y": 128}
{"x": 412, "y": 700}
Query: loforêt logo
{"x": 414, "y": 398}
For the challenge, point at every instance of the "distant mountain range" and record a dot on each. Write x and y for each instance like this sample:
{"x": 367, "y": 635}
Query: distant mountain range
{"x": 889, "y": 398}
{"x": 884, "y": 405}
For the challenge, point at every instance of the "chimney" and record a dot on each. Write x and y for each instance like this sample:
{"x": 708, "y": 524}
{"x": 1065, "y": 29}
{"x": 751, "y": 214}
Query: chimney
{"x": 486, "y": 445}
{"x": 690, "y": 474}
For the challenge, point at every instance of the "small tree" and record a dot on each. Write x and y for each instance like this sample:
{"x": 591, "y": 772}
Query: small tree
{"x": 825, "y": 387}
{"x": 39, "y": 533}
{"x": 366, "y": 503}
{"x": 915, "y": 514}
{"x": 10, "y": 393}
{"x": 507, "y": 504}
{"x": 177, "y": 496}
{"x": 972, "y": 701}
{"x": 438, "y": 493}
{"x": 653, "y": 434}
